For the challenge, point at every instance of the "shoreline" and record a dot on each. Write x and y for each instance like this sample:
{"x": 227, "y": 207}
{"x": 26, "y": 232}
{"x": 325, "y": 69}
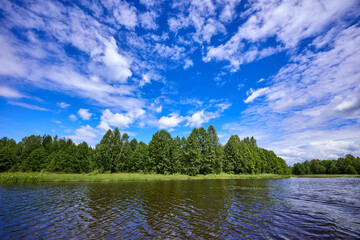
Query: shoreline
{"x": 35, "y": 177}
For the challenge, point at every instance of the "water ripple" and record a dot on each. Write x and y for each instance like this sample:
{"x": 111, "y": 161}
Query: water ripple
{"x": 296, "y": 208}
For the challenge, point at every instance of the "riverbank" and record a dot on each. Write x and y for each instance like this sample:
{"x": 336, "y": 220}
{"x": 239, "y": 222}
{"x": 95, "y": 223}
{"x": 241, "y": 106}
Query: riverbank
{"x": 118, "y": 177}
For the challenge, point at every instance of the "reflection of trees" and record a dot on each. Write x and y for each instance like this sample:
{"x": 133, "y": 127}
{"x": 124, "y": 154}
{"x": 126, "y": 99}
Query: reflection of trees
{"x": 186, "y": 208}
{"x": 179, "y": 209}
{"x": 115, "y": 209}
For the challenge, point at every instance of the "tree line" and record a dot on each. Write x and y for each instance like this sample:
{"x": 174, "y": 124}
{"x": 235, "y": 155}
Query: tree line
{"x": 347, "y": 165}
{"x": 200, "y": 153}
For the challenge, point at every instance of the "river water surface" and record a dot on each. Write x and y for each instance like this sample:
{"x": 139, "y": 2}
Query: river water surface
{"x": 293, "y": 208}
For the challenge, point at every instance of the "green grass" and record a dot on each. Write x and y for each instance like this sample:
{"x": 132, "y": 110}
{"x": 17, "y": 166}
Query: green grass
{"x": 117, "y": 177}
{"x": 326, "y": 176}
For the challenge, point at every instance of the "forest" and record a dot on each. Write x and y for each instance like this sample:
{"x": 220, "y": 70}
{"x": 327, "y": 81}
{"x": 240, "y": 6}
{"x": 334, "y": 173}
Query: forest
{"x": 200, "y": 153}
{"x": 347, "y": 165}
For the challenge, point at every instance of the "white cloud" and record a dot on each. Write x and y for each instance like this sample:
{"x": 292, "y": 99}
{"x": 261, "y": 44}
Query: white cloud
{"x": 197, "y": 119}
{"x": 145, "y": 79}
{"x": 8, "y": 92}
{"x": 85, "y": 133}
{"x": 158, "y": 109}
{"x": 26, "y": 105}
{"x": 63, "y": 105}
{"x": 66, "y": 74}
{"x": 200, "y": 14}
{"x": 288, "y": 21}
{"x": 261, "y": 80}
{"x": 318, "y": 144}
{"x": 117, "y": 63}
{"x": 188, "y": 63}
{"x": 255, "y": 94}
{"x": 311, "y": 109}
{"x": 240, "y": 86}
{"x": 119, "y": 120}
{"x": 348, "y": 104}
{"x": 206, "y": 111}
{"x": 151, "y": 3}
{"x": 173, "y": 120}
{"x": 10, "y": 63}
{"x": 84, "y": 114}
{"x": 200, "y": 117}
{"x": 228, "y": 11}
{"x": 175, "y": 53}
{"x": 148, "y": 20}
{"x": 73, "y": 117}
{"x": 126, "y": 15}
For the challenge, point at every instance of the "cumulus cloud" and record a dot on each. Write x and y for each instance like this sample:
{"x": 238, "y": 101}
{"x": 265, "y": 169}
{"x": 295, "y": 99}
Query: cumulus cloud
{"x": 84, "y": 114}
{"x": 85, "y": 133}
{"x": 198, "y": 118}
{"x": 203, "y": 116}
{"x": 171, "y": 121}
{"x": 117, "y": 63}
{"x": 119, "y": 120}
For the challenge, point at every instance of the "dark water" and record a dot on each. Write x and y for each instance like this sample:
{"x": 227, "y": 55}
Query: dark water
{"x": 296, "y": 208}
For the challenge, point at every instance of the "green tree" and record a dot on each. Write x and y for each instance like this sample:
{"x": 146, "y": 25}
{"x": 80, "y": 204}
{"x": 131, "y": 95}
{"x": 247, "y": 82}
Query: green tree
{"x": 159, "y": 153}
{"x": 84, "y": 156}
{"x": 192, "y": 153}
{"x": 141, "y": 157}
{"x": 35, "y": 161}
{"x": 233, "y": 157}
{"x": 8, "y": 158}
{"x": 219, "y": 150}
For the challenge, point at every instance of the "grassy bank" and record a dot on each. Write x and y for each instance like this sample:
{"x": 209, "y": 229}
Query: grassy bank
{"x": 326, "y": 176}
{"x": 117, "y": 177}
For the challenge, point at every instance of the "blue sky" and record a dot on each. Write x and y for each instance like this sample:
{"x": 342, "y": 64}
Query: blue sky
{"x": 285, "y": 72}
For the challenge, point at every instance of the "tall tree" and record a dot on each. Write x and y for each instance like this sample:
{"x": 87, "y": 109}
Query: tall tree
{"x": 159, "y": 152}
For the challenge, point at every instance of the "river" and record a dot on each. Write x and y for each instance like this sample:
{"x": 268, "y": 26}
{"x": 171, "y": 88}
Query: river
{"x": 292, "y": 208}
